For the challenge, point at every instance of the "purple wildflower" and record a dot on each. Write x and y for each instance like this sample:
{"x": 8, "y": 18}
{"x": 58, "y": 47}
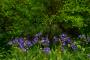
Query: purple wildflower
{"x": 44, "y": 38}
{"x": 74, "y": 47}
{"x": 45, "y": 41}
{"x": 63, "y": 35}
{"x": 79, "y": 36}
{"x": 64, "y": 43}
{"x": 21, "y": 42}
{"x": 28, "y": 43}
{"x": 46, "y": 50}
{"x": 35, "y": 40}
{"x": 21, "y": 45}
{"x": 68, "y": 40}
{"x": 13, "y": 41}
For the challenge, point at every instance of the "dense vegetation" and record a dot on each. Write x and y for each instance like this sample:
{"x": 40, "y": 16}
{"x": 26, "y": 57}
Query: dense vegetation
{"x": 53, "y": 19}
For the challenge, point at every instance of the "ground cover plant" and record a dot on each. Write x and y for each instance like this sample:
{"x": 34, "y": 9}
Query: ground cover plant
{"x": 44, "y": 30}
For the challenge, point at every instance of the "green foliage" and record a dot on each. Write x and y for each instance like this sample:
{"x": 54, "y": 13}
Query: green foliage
{"x": 35, "y": 53}
{"x": 75, "y": 14}
{"x": 34, "y": 16}
{"x": 46, "y": 16}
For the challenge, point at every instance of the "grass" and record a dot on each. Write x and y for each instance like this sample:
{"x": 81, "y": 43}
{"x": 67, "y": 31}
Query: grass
{"x": 35, "y": 53}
